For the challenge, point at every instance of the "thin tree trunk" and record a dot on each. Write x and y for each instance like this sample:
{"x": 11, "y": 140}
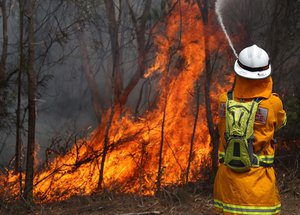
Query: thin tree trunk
{"x": 4, "y": 52}
{"x": 160, "y": 171}
{"x": 115, "y": 50}
{"x": 5, "y": 41}
{"x": 140, "y": 98}
{"x": 140, "y": 29}
{"x": 212, "y": 130}
{"x": 32, "y": 86}
{"x": 105, "y": 146}
{"x": 194, "y": 131}
{"x": 18, "y": 165}
{"x": 142, "y": 164}
{"x": 208, "y": 74}
{"x": 95, "y": 95}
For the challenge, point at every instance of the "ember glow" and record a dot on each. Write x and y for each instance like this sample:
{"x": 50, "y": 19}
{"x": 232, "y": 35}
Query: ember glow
{"x": 132, "y": 161}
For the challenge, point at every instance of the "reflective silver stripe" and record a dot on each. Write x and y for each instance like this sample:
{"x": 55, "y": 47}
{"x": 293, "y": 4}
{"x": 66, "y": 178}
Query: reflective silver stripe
{"x": 284, "y": 121}
{"x": 253, "y": 210}
{"x": 266, "y": 158}
{"x": 283, "y": 124}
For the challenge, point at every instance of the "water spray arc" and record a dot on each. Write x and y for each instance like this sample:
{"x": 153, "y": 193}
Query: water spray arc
{"x": 218, "y": 7}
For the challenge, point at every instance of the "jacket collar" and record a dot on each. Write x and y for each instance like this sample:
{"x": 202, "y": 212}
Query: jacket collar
{"x": 250, "y": 88}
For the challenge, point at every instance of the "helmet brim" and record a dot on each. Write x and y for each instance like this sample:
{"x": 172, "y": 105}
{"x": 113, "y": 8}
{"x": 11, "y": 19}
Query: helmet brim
{"x": 250, "y": 74}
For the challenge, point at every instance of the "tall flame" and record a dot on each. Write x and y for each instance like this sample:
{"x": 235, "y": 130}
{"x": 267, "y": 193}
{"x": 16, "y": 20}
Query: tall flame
{"x": 132, "y": 161}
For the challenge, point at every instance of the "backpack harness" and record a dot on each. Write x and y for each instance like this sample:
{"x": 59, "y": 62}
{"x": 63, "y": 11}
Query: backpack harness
{"x": 240, "y": 117}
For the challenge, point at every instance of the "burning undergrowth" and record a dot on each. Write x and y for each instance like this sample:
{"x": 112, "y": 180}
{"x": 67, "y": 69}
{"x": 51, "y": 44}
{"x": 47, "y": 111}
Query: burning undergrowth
{"x": 156, "y": 146}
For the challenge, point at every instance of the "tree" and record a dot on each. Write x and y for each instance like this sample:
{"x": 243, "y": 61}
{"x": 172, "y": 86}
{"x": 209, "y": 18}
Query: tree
{"x": 3, "y": 5}
{"x": 203, "y": 7}
{"x": 122, "y": 93}
{"x": 18, "y": 152}
{"x": 97, "y": 100}
{"x": 5, "y": 42}
{"x": 113, "y": 29}
{"x": 115, "y": 20}
{"x": 139, "y": 24}
{"x": 32, "y": 87}
{"x": 197, "y": 95}
{"x": 123, "y": 34}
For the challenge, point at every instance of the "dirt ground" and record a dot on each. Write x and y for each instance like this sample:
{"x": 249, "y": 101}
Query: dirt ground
{"x": 196, "y": 199}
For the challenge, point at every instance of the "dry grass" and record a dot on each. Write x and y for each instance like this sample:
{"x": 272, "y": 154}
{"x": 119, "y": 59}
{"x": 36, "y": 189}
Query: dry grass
{"x": 195, "y": 199}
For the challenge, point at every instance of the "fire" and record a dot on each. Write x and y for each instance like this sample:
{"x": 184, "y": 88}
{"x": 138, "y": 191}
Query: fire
{"x": 132, "y": 161}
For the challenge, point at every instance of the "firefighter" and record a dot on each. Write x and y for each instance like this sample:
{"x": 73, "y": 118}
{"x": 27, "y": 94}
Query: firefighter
{"x": 252, "y": 191}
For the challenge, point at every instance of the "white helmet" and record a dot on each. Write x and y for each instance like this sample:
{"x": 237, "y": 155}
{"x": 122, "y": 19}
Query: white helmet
{"x": 253, "y": 63}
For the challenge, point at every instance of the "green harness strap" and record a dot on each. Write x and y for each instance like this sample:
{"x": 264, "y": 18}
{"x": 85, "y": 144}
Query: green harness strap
{"x": 254, "y": 157}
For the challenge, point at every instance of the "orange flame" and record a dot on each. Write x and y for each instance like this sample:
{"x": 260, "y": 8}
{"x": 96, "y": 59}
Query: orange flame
{"x": 132, "y": 161}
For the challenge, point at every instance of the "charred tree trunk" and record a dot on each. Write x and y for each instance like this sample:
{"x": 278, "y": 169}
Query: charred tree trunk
{"x": 4, "y": 52}
{"x": 106, "y": 140}
{"x": 160, "y": 170}
{"x": 95, "y": 95}
{"x": 32, "y": 86}
{"x": 194, "y": 131}
{"x": 117, "y": 75}
{"x": 139, "y": 101}
{"x": 18, "y": 165}
{"x": 105, "y": 147}
{"x": 212, "y": 129}
{"x": 203, "y": 6}
{"x": 142, "y": 163}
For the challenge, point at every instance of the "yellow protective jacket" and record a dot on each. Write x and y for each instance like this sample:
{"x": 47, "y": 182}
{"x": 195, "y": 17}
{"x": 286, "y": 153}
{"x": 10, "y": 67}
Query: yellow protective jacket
{"x": 255, "y": 191}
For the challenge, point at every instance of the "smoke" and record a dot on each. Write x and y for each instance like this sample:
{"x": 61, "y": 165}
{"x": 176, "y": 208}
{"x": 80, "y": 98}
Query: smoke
{"x": 218, "y": 7}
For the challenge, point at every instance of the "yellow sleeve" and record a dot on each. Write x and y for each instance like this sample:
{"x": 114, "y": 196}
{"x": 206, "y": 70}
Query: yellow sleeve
{"x": 280, "y": 113}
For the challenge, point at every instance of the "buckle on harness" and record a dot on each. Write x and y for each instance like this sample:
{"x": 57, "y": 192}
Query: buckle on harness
{"x": 255, "y": 161}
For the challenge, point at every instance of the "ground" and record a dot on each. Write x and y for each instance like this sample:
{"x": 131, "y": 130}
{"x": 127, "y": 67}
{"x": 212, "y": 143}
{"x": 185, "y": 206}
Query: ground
{"x": 112, "y": 204}
{"x": 196, "y": 199}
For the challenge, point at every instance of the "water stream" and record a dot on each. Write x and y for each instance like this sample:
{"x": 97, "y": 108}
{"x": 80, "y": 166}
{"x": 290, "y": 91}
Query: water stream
{"x": 218, "y": 7}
